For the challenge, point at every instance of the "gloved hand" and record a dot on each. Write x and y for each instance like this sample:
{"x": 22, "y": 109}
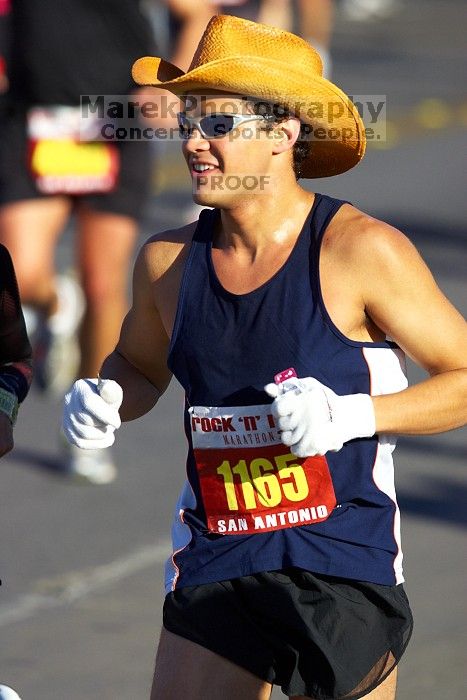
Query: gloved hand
{"x": 314, "y": 420}
{"x": 90, "y": 414}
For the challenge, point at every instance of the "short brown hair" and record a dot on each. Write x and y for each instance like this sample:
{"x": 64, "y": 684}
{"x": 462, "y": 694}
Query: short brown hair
{"x": 302, "y": 146}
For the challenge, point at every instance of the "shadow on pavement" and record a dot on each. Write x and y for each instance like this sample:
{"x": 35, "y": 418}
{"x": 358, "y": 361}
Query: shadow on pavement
{"x": 433, "y": 447}
{"x": 445, "y": 502}
{"x": 423, "y": 231}
{"x": 441, "y": 497}
{"x": 32, "y": 458}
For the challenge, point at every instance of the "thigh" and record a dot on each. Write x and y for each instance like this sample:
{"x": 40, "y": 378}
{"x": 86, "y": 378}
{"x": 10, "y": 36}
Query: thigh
{"x": 187, "y": 670}
{"x": 385, "y": 691}
{"x": 105, "y": 247}
{"x": 30, "y": 229}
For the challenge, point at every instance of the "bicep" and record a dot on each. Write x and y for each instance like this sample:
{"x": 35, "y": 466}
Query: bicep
{"x": 143, "y": 341}
{"x": 403, "y": 299}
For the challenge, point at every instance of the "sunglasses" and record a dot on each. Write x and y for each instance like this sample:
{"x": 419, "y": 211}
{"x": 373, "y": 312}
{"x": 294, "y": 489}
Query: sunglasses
{"x": 214, "y": 126}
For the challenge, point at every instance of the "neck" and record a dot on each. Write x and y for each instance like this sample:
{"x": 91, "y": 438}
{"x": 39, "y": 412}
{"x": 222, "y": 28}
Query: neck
{"x": 263, "y": 221}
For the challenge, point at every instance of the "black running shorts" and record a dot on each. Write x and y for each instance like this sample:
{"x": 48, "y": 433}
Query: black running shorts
{"x": 127, "y": 198}
{"x": 313, "y": 635}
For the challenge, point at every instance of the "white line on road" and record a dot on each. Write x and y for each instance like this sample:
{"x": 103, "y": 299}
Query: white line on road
{"x": 67, "y": 588}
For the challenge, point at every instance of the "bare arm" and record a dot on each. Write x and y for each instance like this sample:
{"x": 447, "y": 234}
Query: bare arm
{"x": 278, "y": 13}
{"x": 316, "y": 21}
{"x": 193, "y": 16}
{"x": 402, "y": 298}
{"x": 139, "y": 362}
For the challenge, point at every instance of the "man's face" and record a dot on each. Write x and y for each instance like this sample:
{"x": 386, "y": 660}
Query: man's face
{"x": 228, "y": 150}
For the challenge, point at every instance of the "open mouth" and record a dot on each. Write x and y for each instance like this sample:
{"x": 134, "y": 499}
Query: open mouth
{"x": 198, "y": 169}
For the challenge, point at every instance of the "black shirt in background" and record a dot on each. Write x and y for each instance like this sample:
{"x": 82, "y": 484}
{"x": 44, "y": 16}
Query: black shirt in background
{"x": 61, "y": 49}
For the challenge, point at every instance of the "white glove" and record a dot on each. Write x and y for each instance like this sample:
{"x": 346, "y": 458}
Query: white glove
{"x": 314, "y": 420}
{"x": 90, "y": 414}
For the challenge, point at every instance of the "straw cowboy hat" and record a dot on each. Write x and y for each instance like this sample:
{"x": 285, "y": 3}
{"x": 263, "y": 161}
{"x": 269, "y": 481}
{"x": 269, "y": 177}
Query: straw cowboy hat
{"x": 238, "y": 56}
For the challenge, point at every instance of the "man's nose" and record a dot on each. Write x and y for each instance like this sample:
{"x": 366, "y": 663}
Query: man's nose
{"x": 196, "y": 140}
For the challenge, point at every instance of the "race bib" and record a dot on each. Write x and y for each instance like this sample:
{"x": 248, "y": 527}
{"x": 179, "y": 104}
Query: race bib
{"x": 250, "y": 482}
{"x": 62, "y": 164}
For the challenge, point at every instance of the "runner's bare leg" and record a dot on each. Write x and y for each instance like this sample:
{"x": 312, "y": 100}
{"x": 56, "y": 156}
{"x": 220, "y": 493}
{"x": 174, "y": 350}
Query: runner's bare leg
{"x": 105, "y": 247}
{"x": 187, "y": 670}
{"x": 30, "y": 229}
{"x": 385, "y": 691}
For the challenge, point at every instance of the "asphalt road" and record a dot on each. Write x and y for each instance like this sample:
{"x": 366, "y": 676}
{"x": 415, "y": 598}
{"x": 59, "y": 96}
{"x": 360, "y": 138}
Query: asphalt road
{"x": 82, "y": 567}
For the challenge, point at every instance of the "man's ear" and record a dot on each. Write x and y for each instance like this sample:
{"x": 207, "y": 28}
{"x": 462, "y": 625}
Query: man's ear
{"x": 286, "y": 134}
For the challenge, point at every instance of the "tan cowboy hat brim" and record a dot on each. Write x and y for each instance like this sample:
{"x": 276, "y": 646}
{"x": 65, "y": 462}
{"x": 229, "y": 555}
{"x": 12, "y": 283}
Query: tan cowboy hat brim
{"x": 338, "y": 136}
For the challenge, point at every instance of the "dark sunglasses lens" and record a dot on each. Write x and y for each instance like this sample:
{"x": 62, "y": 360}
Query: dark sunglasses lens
{"x": 217, "y": 125}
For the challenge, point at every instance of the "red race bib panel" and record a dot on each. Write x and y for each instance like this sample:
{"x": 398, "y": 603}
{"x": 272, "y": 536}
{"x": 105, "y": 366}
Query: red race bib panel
{"x": 61, "y": 161}
{"x": 249, "y": 480}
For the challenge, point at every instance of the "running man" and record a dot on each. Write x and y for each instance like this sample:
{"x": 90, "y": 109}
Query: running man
{"x": 48, "y": 176}
{"x": 287, "y": 561}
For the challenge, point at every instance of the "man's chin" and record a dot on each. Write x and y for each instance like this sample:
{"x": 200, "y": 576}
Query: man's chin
{"x": 207, "y": 199}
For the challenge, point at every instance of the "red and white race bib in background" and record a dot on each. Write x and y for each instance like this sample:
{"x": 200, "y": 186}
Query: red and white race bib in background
{"x": 60, "y": 161}
{"x": 250, "y": 482}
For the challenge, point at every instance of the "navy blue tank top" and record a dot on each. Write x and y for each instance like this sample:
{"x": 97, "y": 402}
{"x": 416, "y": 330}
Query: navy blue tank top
{"x": 247, "y": 504}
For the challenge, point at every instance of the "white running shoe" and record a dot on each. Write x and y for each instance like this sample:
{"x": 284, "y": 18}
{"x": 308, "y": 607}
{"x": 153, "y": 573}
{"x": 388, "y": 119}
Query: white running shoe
{"x": 31, "y": 319}
{"x": 7, "y": 693}
{"x": 91, "y": 466}
{"x": 56, "y": 349}
{"x": 369, "y": 10}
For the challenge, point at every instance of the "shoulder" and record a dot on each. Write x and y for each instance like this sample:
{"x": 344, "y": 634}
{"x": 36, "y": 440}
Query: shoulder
{"x": 165, "y": 251}
{"x": 369, "y": 247}
{"x": 352, "y": 231}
